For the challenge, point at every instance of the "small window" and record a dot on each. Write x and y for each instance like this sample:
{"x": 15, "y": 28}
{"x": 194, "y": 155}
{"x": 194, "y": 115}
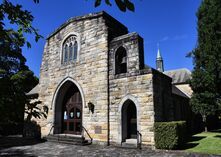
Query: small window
{"x": 120, "y": 61}
{"x": 70, "y": 49}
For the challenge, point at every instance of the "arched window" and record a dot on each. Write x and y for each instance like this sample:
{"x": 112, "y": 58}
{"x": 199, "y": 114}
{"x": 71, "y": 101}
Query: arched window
{"x": 66, "y": 53}
{"x": 75, "y": 49}
{"x": 120, "y": 61}
{"x": 70, "y": 49}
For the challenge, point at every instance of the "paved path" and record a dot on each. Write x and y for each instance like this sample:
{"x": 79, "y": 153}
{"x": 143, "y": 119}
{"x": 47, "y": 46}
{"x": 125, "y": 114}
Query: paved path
{"x": 49, "y": 149}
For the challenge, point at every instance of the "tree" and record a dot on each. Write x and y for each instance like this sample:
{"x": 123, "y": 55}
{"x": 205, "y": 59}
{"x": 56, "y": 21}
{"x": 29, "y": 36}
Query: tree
{"x": 123, "y": 5}
{"x": 15, "y": 77}
{"x": 206, "y": 75}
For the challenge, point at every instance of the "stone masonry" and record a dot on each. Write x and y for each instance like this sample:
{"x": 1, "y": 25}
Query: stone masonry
{"x": 99, "y": 36}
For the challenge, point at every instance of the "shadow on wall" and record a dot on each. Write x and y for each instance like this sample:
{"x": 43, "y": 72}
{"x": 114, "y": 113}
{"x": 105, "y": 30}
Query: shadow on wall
{"x": 32, "y": 129}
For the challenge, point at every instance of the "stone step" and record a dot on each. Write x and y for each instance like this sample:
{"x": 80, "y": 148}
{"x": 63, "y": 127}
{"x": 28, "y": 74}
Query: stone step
{"x": 67, "y": 139}
{"x": 130, "y": 143}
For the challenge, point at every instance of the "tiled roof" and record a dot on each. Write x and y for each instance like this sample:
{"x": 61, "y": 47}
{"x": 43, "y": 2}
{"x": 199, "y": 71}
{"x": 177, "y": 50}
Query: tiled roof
{"x": 179, "y": 75}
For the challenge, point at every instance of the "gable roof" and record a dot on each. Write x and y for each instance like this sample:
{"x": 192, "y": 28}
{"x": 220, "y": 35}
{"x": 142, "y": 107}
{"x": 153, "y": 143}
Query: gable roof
{"x": 34, "y": 91}
{"x": 88, "y": 16}
{"x": 179, "y": 76}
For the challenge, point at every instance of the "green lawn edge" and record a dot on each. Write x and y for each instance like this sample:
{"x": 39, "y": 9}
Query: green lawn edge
{"x": 206, "y": 143}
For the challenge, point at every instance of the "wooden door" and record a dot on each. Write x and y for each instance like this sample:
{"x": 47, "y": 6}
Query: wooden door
{"x": 72, "y": 114}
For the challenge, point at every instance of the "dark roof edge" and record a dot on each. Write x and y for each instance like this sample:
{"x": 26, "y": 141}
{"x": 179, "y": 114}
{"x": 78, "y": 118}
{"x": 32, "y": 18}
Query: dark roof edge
{"x": 83, "y": 17}
{"x": 161, "y": 73}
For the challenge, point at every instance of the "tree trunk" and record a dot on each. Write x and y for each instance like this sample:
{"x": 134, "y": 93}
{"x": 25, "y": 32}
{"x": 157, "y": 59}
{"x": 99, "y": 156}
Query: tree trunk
{"x": 205, "y": 122}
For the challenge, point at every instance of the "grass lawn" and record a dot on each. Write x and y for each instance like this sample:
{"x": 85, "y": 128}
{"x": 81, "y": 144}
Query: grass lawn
{"x": 206, "y": 142}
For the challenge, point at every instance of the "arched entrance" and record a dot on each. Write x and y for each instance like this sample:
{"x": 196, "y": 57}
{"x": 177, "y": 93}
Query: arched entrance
{"x": 129, "y": 120}
{"x": 68, "y": 109}
{"x": 72, "y": 111}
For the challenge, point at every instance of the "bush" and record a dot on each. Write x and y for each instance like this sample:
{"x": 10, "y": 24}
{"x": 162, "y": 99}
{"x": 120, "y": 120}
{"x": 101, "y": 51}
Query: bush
{"x": 11, "y": 129}
{"x": 170, "y": 135}
{"x": 31, "y": 129}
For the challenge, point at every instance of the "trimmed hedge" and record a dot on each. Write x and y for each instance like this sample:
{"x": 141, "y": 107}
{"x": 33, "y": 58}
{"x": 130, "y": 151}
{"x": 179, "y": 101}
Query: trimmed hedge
{"x": 170, "y": 135}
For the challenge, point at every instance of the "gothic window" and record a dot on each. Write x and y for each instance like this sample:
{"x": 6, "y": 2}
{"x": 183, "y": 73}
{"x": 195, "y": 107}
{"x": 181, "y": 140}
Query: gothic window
{"x": 70, "y": 49}
{"x": 66, "y": 53}
{"x": 75, "y": 49}
{"x": 120, "y": 61}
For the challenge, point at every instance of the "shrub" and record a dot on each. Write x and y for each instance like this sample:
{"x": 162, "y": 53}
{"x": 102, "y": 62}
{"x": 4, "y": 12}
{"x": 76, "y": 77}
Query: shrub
{"x": 31, "y": 129}
{"x": 170, "y": 135}
{"x": 11, "y": 129}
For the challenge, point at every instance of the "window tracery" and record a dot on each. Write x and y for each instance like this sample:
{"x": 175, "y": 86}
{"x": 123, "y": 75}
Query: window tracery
{"x": 70, "y": 49}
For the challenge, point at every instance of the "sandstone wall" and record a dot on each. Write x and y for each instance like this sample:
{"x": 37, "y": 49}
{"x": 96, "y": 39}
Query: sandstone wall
{"x": 90, "y": 71}
{"x": 135, "y": 85}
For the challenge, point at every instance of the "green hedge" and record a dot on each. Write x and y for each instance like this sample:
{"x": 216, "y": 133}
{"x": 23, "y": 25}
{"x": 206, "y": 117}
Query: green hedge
{"x": 170, "y": 135}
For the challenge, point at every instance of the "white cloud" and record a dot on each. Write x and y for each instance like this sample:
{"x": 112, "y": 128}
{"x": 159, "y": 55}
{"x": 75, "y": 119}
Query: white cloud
{"x": 164, "y": 39}
{"x": 180, "y": 37}
{"x": 177, "y": 37}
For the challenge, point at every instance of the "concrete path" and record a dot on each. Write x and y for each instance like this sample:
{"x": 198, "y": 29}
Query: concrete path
{"x": 49, "y": 149}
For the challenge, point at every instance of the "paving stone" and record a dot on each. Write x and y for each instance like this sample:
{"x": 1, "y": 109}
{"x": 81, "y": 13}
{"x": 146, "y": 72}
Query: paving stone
{"x": 49, "y": 149}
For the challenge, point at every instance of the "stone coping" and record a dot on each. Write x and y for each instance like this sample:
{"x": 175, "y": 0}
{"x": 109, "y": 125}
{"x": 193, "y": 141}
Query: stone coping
{"x": 84, "y": 17}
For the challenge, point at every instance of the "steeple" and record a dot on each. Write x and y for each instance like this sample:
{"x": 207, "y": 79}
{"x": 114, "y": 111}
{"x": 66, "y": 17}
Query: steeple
{"x": 159, "y": 60}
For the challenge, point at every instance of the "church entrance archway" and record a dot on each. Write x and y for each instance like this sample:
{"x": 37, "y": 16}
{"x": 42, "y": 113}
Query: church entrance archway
{"x": 68, "y": 110}
{"x": 129, "y": 120}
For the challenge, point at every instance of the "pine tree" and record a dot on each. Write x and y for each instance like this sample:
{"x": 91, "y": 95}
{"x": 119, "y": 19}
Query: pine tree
{"x": 206, "y": 75}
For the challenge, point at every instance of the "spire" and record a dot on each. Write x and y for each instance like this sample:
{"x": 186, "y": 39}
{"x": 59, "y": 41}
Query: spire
{"x": 159, "y": 60}
{"x": 158, "y": 52}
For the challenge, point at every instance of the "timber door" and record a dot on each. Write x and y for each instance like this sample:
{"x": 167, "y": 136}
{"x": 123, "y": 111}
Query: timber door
{"x": 72, "y": 112}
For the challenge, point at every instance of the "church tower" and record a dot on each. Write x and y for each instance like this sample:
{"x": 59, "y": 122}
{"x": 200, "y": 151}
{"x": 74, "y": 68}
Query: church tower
{"x": 159, "y": 61}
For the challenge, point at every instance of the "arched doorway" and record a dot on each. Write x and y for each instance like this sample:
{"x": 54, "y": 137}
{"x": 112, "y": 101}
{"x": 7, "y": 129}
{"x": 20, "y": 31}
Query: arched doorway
{"x": 72, "y": 111}
{"x": 68, "y": 109}
{"x": 129, "y": 120}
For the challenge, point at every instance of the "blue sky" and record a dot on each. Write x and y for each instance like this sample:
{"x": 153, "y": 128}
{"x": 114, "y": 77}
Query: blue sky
{"x": 172, "y": 23}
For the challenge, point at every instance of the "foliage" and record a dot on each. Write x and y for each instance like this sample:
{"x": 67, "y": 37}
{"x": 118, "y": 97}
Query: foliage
{"x": 123, "y": 5}
{"x": 15, "y": 77}
{"x": 32, "y": 110}
{"x": 169, "y": 135}
{"x": 11, "y": 129}
{"x": 206, "y": 75}
{"x": 209, "y": 142}
{"x": 12, "y": 95}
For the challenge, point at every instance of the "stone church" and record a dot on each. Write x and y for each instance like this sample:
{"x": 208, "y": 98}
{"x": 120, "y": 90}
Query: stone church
{"x": 95, "y": 83}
